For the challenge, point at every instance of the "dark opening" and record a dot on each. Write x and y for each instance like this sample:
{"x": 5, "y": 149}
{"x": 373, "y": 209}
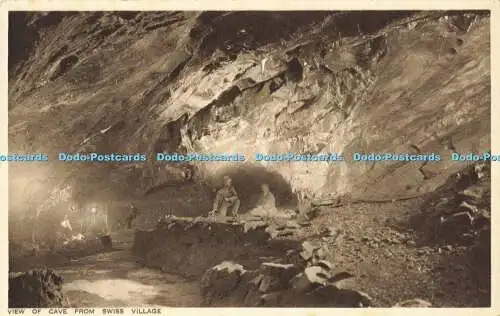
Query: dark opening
{"x": 295, "y": 71}
{"x": 247, "y": 180}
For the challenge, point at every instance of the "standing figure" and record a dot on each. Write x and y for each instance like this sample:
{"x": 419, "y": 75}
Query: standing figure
{"x": 133, "y": 215}
{"x": 93, "y": 216}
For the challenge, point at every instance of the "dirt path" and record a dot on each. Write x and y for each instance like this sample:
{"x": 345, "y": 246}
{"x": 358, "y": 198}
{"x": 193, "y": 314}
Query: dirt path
{"x": 116, "y": 279}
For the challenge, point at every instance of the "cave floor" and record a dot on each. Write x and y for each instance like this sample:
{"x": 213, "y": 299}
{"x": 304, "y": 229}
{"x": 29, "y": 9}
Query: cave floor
{"x": 116, "y": 279}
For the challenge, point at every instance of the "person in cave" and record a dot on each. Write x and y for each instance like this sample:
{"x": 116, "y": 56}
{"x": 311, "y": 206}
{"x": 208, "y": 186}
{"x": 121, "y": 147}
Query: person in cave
{"x": 133, "y": 215}
{"x": 226, "y": 197}
{"x": 266, "y": 204}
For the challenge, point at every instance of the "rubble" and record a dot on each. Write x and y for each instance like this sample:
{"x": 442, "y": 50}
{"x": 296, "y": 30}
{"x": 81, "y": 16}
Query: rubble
{"x": 240, "y": 266}
{"x": 461, "y": 206}
{"x": 274, "y": 285}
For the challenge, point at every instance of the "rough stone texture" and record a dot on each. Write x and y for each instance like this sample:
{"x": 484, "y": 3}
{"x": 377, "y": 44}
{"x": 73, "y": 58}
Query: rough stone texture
{"x": 192, "y": 81}
{"x": 276, "y": 287}
{"x": 172, "y": 80}
{"x": 220, "y": 281}
{"x": 36, "y": 289}
{"x": 458, "y": 215}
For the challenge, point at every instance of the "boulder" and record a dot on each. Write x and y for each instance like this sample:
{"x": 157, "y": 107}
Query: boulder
{"x": 285, "y": 272}
{"x": 311, "y": 278}
{"x": 308, "y": 250}
{"x": 36, "y": 289}
{"x": 220, "y": 281}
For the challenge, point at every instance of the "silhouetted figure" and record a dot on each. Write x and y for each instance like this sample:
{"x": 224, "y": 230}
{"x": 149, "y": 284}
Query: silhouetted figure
{"x": 131, "y": 218}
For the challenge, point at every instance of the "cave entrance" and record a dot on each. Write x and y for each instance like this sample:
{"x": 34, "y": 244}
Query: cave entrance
{"x": 247, "y": 180}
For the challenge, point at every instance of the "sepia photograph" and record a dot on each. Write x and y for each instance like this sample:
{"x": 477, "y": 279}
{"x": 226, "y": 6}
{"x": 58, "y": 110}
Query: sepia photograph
{"x": 336, "y": 159}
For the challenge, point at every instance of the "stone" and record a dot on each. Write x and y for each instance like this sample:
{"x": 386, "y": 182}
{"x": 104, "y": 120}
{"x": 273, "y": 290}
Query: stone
{"x": 474, "y": 192}
{"x": 316, "y": 274}
{"x": 284, "y": 272}
{"x": 36, "y": 289}
{"x": 308, "y": 250}
{"x": 220, "y": 281}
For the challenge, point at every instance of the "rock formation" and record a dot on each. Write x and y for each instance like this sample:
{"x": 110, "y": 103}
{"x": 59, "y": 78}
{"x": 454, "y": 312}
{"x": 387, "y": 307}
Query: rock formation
{"x": 36, "y": 288}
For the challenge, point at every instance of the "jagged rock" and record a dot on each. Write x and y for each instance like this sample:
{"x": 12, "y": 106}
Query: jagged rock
{"x": 321, "y": 252}
{"x": 36, "y": 289}
{"x": 313, "y": 253}
{"x": 283, "y": 271}
{"x": 308, "y": 250}
{"x": 474, "y": 193}
{"x": 276, "y": 276}
{"x": 220, "y": 281}
{"x": 413, "y": 303}
{"x": 309, "y": 279}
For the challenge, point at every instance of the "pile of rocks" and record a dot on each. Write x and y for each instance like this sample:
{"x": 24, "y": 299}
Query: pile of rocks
{"x": 310, "y": 282}
{"x": 36, "y": 288}
{"x": 462, "y": 206}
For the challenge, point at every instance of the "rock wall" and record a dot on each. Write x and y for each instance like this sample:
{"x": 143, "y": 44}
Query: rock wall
{"x": 36, "y": 288}
{"x": 320, "y": 82}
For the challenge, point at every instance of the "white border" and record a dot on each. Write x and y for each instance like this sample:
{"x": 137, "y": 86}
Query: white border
{"x": 196, "y": 5}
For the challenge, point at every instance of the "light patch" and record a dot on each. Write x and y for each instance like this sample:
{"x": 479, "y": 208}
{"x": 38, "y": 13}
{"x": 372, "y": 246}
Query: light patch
{"x": 113, "y": 289}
